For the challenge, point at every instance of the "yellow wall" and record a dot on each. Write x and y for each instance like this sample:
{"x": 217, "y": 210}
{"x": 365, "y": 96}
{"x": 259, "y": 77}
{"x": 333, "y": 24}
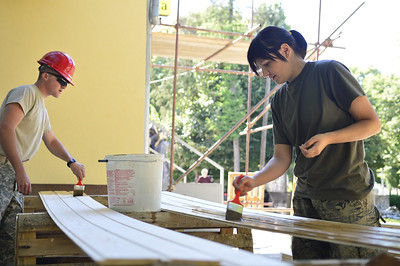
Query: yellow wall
{"x": 106, "y": 111}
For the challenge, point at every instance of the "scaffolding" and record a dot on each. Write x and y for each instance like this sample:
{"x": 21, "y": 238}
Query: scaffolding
{"x": 223, "y": 50}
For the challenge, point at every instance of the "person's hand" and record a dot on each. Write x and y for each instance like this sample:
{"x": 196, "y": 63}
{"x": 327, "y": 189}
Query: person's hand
{"x": 245, "y": 184}
{"x": 314, "y": 146}
{"x": 78, "y": 169}
{"x": 23, "y": 183}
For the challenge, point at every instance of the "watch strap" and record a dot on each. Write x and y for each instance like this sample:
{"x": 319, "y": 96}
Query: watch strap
{"x": 71, "y": 162}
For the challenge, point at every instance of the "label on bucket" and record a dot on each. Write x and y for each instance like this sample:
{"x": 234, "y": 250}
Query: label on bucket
{"x": 134, "y": 182}
{"x": 121, "y": 183}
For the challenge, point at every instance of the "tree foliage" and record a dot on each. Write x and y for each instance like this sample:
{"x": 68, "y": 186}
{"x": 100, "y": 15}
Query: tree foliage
{"x": 383, "y": 149}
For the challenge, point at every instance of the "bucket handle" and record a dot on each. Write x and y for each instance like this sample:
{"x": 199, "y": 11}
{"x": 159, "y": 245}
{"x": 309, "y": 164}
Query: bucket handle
{"x": 106, "y": 161}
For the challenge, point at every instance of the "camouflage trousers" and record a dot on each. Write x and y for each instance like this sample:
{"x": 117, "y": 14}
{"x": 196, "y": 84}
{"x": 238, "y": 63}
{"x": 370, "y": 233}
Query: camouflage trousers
{"x": 362, "y": 212}
{"x": 11, "y": 203}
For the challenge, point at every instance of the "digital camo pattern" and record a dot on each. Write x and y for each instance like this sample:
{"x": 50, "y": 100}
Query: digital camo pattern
{"x": 362, "y": 212}
{"x": 11, "y": 203}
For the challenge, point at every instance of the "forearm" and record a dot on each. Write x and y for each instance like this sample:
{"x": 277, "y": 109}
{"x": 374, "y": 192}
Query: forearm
{"x": 358, "y": 131}
{"x": 58, "y": 149}
{"x": 275, "y": 168}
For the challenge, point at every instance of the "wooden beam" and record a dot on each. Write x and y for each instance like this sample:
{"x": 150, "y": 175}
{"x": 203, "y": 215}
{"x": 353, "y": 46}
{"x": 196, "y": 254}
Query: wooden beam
{"x": 204, "y": 214}
{"x": 341, "y": 233}
{"x": 49, "y": 247}
{"x": 198, "y": 48}
{"x": 175, "y": 221}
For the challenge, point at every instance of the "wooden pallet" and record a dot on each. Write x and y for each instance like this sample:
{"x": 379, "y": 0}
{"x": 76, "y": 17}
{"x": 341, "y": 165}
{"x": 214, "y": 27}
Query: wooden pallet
{"x": 111, "y": 238}
{"x": 253, "y": 199}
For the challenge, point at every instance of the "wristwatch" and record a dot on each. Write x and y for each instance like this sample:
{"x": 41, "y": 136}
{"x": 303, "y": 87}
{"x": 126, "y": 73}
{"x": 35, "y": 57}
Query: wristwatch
{"x": 71, "y": 162}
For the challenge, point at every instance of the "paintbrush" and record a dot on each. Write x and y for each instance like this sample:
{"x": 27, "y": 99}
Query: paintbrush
{"x": 234, "y": 209}
{"x": 79, "y": 188}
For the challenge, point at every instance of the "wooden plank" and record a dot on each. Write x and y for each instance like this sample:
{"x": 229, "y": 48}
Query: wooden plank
{"x": 48, "y": 241}
{"x": 28, "y": 222}
{"x": 175, "y": 220}
{"x": 199, "y": 48}
{"x": 39, "y": 236}
{"x": 164, "y": 219}
{"x": 27, "y": 260}
{"x": 391, "y": 225}
{"x": 209, "y": 212}
{"x": 42, "y": 222}
{"x": 48, "y": 247}
{"x": 109, "y": 237}
{"x": 100, "y": 233}
{"x": 223, "y": 253}
{"x": 33, "y": 204}
{"x": 356, "y": 235}
{"x": 280, "y": 210}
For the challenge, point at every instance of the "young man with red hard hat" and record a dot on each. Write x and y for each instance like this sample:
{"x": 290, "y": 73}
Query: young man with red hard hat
{"x": 24, "y": 122}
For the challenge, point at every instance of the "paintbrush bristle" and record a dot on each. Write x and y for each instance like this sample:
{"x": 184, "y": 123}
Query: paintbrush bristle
{"x": 234, "y": 211}
{"x": 78, "y": 190}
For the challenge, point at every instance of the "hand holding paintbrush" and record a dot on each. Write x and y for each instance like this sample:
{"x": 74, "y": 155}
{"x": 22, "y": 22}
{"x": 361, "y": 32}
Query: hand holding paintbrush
{"x": 79, "y": 188}
{"x": 79, "y": 171}
{"x": 234, "y": 209}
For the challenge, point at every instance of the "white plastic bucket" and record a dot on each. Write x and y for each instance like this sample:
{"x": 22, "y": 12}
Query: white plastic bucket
{"x": 134, "y": 182}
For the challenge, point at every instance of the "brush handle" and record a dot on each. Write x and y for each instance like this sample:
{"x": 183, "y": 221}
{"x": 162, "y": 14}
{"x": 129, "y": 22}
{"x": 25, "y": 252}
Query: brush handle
{"x": 79, "y": 182}
{"x": 238, "y": 192}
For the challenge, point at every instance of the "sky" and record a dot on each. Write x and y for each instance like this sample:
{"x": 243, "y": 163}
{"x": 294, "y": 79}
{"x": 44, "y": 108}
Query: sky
{"x": 370, "y": 37}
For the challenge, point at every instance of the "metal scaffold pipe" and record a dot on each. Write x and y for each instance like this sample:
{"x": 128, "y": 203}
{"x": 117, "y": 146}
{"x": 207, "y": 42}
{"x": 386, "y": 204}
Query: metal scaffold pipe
{"x": 216, "y": 144}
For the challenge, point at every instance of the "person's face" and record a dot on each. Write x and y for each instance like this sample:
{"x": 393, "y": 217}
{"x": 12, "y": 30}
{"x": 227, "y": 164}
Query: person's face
{"x": 274, "y": 69}
{"x": 277, "y": 70}
{"x": 55, "y": 84}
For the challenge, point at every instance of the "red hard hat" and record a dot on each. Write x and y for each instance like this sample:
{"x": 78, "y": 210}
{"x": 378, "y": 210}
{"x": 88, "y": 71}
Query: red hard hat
{"x": 61, "y": 62}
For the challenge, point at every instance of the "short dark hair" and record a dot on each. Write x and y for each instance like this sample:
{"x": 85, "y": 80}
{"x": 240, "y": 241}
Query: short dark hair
{"x": 48, "y": 69}
{"x": 267, "y": 43}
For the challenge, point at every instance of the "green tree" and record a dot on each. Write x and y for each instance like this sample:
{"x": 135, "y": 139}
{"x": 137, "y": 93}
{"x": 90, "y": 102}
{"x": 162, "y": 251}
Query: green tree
{"x": 383, "y": 149}
{"x": 270, "y": 15}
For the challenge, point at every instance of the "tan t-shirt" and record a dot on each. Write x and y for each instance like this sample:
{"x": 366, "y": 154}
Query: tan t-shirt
{"x": 36, "y": 121}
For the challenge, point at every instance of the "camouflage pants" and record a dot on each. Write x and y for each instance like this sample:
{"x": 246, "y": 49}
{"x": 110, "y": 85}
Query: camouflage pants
{"x": 11, "y": 203}
{"x": 362, "y": 212}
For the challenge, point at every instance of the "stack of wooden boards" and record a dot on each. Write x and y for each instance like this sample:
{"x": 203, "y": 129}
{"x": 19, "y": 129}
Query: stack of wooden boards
{"x": 111, "y": 238}
{"x": 349, "y": 234}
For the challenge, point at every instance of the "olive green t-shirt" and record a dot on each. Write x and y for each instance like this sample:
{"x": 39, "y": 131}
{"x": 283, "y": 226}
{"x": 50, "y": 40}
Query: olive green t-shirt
{"x": 35, "y": 122}
{"x": 318, "y": 101}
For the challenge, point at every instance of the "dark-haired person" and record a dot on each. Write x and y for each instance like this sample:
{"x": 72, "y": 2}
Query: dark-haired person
{"x": 323, "y": 114}
{"x": 24, "y": 123}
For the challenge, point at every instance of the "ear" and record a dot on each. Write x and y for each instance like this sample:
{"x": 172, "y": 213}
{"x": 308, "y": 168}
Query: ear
{"x": 285, "y": 50}
{"x": 44, "y": 75}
